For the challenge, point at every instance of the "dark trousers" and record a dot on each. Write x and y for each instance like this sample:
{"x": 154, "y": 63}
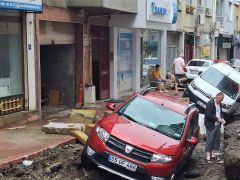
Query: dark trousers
{"x": 213, "y": 139}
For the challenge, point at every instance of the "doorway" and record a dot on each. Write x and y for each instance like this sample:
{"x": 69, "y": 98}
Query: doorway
{"x": 100, "y": 61}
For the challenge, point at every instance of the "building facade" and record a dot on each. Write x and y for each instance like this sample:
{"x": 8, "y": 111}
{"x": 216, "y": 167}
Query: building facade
{"x": 138, "y": 42}
{"x": 17, "y": 70}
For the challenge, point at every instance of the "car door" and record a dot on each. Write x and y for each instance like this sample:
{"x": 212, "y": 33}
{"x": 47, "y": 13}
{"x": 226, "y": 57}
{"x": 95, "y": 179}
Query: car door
{"x": 193, "y": 130}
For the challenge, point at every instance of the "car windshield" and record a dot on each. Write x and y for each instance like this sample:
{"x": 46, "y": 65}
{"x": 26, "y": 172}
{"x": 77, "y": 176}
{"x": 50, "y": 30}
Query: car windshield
{"x": 235, "y": 62}
{"x": 199, "y": 63}
{"x": 154, "y": 116}
{"x": 222, "y": 82}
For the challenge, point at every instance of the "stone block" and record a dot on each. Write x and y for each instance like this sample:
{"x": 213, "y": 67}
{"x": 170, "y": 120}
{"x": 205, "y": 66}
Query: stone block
{"x": 89, "y": 128}
{"x": 62, "y": 128}
{"x": 81, "y": 136}
{"x": 84, "y": 116}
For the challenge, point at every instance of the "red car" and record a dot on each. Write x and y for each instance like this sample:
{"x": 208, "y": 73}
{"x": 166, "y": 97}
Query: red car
{"x": 149, "y": 136}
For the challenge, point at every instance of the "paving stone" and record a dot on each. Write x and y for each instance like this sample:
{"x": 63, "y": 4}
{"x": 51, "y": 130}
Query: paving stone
{"x": 62, "y": 128}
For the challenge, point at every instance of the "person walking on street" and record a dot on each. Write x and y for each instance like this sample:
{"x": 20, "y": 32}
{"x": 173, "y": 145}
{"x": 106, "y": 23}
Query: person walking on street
{"x": 178, "y": 66}
{"x": 212, "y": 121}
{"x": 156, "y": 78}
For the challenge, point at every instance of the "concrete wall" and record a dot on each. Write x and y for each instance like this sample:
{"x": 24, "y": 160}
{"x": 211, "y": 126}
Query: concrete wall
{"x": 56, "y": 33}
{"x": 139, "y": 20}
{"x": 186, "y": 21}
{"x": 120, "y": 5}
{"x": 58, "y": 71}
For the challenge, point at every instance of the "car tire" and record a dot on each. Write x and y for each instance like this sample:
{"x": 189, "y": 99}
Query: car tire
{"x": 86, "y": 162}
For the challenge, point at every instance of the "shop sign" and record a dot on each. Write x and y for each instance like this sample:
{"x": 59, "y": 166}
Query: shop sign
{"x": 162, "y": 11}
{"x": 26, "y": 5}
{"x": 226, "y": 45}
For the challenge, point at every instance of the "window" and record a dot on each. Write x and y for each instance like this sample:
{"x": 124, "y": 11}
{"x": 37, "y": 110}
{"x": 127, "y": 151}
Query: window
{"x": 208, "y": 7}
{"x": 230, "y": 11}
{"x": 218, "y": 8}
{"x": 11, "y": 57}
{"x": 189, "y": 2}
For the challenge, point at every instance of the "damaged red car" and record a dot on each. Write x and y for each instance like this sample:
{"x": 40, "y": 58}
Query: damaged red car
{"x": 149, "y": 136}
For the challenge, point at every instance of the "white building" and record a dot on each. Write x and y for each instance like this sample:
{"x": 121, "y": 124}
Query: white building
{"x": 137, "y": 42}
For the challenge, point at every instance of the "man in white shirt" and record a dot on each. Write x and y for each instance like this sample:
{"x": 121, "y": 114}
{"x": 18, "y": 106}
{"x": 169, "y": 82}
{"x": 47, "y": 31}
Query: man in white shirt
{"x": 178, "y": 70}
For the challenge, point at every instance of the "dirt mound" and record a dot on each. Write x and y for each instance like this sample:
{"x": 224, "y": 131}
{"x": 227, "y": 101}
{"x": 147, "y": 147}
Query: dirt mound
{"x": 232, "y": 150}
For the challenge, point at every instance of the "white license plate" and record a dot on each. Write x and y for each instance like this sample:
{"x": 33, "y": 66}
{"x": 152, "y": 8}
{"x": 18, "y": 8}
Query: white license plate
{"x": 122, "y": 162}
{"x": 201, "y": 104}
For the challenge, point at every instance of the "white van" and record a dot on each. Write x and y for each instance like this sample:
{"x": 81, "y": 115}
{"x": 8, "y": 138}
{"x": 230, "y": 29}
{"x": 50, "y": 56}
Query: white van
{"x": 219, "y": 77}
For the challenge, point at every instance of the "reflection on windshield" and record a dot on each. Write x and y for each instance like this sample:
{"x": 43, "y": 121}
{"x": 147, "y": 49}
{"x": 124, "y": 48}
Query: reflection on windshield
{"x": 222, "y": 82}
{"x": 154, "y": 116}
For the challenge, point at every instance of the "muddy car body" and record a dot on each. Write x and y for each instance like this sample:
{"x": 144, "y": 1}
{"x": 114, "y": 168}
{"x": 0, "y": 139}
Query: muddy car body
{"x": 150, "y": 136}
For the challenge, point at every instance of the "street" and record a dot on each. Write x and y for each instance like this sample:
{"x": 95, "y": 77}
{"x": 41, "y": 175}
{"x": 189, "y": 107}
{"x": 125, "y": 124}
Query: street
{"x": 64, "y": 163}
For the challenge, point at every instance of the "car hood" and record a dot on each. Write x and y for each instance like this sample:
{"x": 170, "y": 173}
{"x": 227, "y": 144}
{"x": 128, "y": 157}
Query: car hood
{"x": 211, "y": 90}
{"x": 138, "y": 135}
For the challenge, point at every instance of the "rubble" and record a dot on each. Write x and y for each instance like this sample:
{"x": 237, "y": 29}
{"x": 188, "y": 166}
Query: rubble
{"x": 84, "y": 116}
{"x": 62, "y": 128}
{"x": 81, "y": 136}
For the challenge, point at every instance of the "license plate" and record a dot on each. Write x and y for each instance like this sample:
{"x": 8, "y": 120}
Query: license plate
{"x": 201, "y": 104}
{"x": 122, "y": 162}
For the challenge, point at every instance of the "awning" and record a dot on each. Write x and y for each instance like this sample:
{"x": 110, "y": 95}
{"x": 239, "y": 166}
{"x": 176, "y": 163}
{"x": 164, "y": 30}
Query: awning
{"x": 95, "y": 7}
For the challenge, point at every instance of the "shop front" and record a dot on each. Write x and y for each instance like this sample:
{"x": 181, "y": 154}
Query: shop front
{"x": 137, "y": 43}
{"x": 225, "y": 48}
{"x": 13, "y": 68}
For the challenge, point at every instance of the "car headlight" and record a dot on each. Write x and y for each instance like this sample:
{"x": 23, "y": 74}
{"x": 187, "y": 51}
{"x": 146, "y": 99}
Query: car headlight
{"x": 160, "y": 158}
{"x": 226, "y": 106}
{"x": 102, "y": 133}
{"x": 194, "y": 86}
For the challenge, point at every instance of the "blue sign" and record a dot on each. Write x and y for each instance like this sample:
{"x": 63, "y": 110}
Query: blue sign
{"x": 175, "y": 13}
{"x": 26, "y": 5}
{"x": 158, "y": 10}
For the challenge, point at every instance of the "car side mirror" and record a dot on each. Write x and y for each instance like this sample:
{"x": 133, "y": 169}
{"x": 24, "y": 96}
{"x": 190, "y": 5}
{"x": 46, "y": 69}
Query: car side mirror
{"x": 193, "y": 141}
{"x": 111, "y": 106}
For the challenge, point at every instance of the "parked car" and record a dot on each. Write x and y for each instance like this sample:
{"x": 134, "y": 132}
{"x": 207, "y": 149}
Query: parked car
{"x": 196, "y": 66}
{"x": 235, "y": 63}
{"x": 149, "y": 136}
{"x": 219, "y": 77}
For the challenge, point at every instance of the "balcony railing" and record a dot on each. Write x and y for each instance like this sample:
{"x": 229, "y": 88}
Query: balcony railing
{"x": 208, "y": 12}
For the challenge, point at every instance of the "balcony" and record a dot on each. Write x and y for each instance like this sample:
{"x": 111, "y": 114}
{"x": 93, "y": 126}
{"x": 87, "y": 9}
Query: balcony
{"x": 208, "y": 12}
{"x": 106, "y": 6}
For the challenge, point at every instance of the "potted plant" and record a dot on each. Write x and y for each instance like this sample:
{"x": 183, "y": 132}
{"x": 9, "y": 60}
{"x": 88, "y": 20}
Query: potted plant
{"x": 207, "y": 11}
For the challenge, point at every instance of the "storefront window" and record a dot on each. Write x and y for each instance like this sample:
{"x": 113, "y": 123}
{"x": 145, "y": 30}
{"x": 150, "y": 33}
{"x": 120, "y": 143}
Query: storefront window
{"x": 150, "y": 54}
{"x": 11, "y": 57}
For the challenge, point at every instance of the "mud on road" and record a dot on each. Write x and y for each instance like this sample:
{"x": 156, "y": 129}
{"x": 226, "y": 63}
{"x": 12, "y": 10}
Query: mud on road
{"x": 65, "y": 163}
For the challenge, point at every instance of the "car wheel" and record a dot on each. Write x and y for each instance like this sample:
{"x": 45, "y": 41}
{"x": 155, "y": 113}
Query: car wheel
{"x": 86, "y": 162}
